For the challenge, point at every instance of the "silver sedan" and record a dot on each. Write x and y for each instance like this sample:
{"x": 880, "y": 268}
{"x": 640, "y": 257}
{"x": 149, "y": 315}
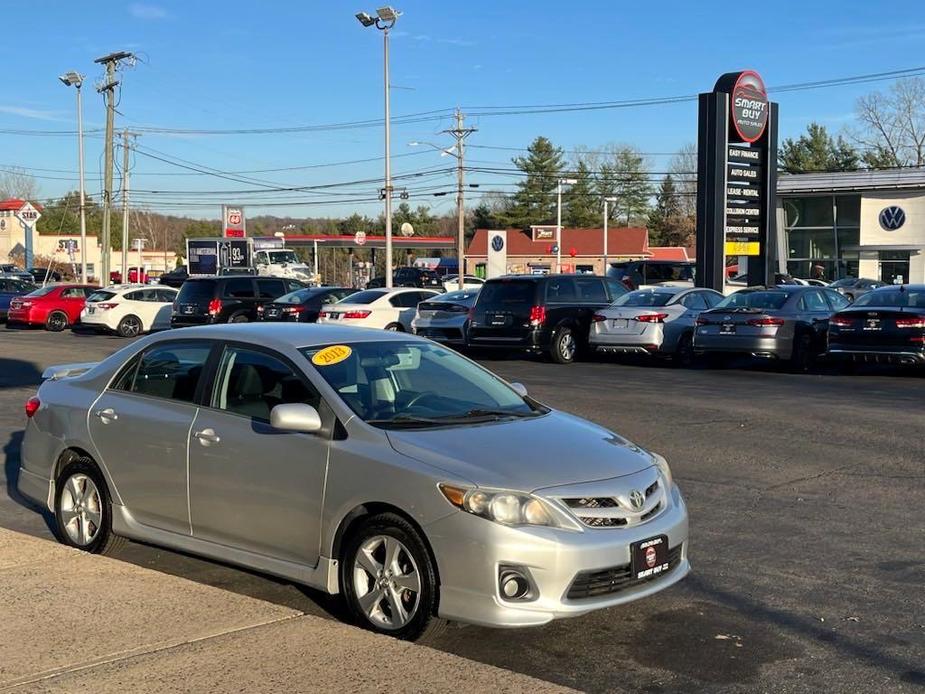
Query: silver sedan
{"x": 654, "y": 321}
{"x": 380, "y": 466}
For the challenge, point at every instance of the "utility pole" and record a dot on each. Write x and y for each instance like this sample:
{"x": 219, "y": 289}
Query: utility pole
{"x": 460, "y": 133}
{"x": 126, "y": 149}
{"x": 108, "y": 88}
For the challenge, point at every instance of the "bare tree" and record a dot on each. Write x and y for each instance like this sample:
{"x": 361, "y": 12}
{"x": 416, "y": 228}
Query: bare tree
{"x": 683, "y": 168}
{"x": 16, "y": 183}
{"x": 894, "y": 123}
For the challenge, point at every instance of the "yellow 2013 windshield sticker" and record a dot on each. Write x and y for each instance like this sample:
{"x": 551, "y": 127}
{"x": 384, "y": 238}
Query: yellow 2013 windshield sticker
{"x": 331, "y": 355}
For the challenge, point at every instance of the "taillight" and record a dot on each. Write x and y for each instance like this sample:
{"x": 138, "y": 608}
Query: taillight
{"x": 24, "y": 304}
{"x": 765, "y": 322}
{"x": 841, "y": 321}
{"x": 322, "y": 314}
{"x": 32, "y": 406}
{"x": 259, "y": 310}
{"x": 537, "y": 315}
{"x": 651, "y": 318}
{"x": 702, "y": 321}
{"x": 470, "y": 314}
{"x": 105, "y": 306}
{"x": 215, "y": 307}
{"x": 357, "y": 314}
{"x": 628, "y": 283}
{"x": 597, "y": 318}
{"x": 291, "y": 310}
{"x": 917, "y": 322}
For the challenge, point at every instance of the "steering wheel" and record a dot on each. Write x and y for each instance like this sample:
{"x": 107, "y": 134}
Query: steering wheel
{"x": 417, "y": 398}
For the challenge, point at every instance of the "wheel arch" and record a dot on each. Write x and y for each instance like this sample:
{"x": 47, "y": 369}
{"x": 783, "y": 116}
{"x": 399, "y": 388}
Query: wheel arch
{"x": 70, "y": 454}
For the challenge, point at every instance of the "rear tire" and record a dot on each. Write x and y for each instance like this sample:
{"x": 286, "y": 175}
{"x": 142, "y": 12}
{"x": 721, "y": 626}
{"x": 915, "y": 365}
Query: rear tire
{"x": 397, "y": 598}
{"x": 802, "y": 357}
{"x": 83, "y": 510}
{"x": 684, "y": 353}
{"x": 56, "y": 321}
{"x": 130, "y": 326}
{"x": 564, "y": 347}
{"x": 239, "y": 318}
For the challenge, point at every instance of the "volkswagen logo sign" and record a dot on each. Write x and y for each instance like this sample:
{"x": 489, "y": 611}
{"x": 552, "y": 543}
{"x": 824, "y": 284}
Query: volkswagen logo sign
{"x": 892, "y": 217}
{"x": 497, "y": 243}
{"x": 637, "y": 499}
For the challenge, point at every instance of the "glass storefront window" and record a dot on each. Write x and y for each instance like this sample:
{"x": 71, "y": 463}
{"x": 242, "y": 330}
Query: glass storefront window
{"x": 809, "y": 212}
{"x": 811, "y": 243}
{"x": 848, "y": 211}
{"x": 848, "y": 238}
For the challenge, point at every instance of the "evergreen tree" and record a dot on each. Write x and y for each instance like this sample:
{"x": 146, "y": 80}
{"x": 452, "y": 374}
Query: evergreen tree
{"x": 535, "y": 199}
{"x": 581, "y": 204}
{"x": 630, "y": 185}
{"x": 668, "y": 224}
{"x": 817, "y": 151}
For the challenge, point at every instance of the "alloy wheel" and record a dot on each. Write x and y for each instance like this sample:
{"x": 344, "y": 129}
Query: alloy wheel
{"x": 81, "y": 509}
{"x": 567, "y": 346}
{"x": 386, "y": 581}
{"x": 131, "y": 326}
{"x": 57, "y": 321}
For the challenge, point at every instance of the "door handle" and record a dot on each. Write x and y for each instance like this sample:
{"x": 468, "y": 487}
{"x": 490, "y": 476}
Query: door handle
{"x": 107, "y": 415}
{"x": 207, "y": 437}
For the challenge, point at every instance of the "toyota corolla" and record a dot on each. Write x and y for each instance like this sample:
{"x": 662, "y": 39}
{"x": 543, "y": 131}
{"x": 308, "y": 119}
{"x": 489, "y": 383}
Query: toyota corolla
{"x": 381, "y": 466}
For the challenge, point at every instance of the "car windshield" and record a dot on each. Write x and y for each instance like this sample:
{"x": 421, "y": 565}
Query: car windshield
{"x": 763, "y": 300}
{"x": 645, "y": 297}
{"x": 282, "y": 257}
{"x": 364, "y": 297}
{"x": 101, "y": 295}
{"x": 394, "y": 385}
{"x": 43, "y": 291}
{"x": 844, "y": 282}
{"x": 913, "y": 298}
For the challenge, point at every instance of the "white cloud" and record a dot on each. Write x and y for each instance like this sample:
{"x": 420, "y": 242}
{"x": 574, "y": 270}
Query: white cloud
{"x": 142, "y": 11}
{"x": 30, "y": 113}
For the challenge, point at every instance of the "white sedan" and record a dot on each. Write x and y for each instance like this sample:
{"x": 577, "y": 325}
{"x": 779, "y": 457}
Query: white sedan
{"x": 129, "y": 310}
{"x": 451, "y": 282}
{"x": 391, "y": 309}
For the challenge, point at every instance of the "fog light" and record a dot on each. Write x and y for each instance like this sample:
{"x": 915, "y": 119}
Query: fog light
{"x": 515, "y": 585}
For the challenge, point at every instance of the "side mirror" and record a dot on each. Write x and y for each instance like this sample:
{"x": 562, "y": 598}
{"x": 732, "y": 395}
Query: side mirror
{"x": 520, "y": 389}
{"x": 296, "y": 417}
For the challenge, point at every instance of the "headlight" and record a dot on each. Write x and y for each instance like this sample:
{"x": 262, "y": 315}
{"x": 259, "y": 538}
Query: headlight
{"x": 662, "y": 466}
{"x": 507, "y": 508}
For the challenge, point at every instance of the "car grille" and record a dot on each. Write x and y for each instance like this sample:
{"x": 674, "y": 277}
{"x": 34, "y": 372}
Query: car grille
{"x": 610, "y": 512}
{"x": 592, "y": 584}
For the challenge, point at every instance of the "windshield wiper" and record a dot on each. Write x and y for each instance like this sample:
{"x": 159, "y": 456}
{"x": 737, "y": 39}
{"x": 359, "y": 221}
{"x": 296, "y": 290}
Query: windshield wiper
{"x": 405, "y": 421}
{"x": 479, "y": 413}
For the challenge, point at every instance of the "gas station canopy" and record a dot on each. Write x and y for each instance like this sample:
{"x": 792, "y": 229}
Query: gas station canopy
{"x": 372, "y": 241}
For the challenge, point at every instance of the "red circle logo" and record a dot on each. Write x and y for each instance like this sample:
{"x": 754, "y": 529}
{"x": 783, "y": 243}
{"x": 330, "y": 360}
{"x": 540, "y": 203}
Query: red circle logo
{"x": 651, "y": 556}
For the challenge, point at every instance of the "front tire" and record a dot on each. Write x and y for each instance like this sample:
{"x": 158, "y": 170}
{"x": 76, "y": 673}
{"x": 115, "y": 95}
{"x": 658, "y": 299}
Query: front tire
{"x": 56, "y": 321}
{"x": 564, "y": 346}
{"x": 395, "y": 327}
{"x": 130, "y": 326}
{"x": 388, "y": 579}
{"x": 83, "y": 511}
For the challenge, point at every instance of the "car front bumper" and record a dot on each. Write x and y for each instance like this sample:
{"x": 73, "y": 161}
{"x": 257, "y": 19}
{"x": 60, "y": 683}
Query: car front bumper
{"x": 470, "y": 551}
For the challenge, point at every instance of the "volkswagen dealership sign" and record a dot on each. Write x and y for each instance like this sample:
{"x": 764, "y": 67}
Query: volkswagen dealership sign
{"x": 892, "y": 218}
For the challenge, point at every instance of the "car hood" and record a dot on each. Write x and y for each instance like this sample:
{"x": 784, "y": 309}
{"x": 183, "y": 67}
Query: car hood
{"x": 524, "y": 454}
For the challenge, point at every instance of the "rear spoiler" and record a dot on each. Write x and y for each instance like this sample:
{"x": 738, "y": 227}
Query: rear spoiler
{"x": 55, "y": 373}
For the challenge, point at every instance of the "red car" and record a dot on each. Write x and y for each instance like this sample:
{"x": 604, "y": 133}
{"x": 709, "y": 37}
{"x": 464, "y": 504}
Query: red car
{"x": 115, "y": 277}
{"x": 55, "y": 306}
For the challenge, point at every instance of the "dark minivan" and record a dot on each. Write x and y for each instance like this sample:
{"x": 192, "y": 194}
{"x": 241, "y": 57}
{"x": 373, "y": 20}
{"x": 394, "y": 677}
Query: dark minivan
{"x": 548, "y": 314}
{"x": 226, "y": 299}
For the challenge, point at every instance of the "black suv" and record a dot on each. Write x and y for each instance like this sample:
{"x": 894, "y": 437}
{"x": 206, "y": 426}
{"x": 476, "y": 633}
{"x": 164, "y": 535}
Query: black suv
{"x": 634, "y": 274}
{"x": 540, "y": 313}
{"x": 175, "y": 278}
{"x": 409, "y": 277}
{"x": 226, "y": 299}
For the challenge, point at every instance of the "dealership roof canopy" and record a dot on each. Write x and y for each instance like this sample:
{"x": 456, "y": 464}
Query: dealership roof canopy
{"x": 851, "y": 181}
{"x": 621, "y": 241}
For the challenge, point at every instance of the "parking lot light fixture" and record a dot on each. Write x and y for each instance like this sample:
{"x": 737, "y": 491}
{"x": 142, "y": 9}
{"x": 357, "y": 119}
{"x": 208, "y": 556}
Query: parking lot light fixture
{"x": 75, "y": 79}
{"x": 559, "y": 184}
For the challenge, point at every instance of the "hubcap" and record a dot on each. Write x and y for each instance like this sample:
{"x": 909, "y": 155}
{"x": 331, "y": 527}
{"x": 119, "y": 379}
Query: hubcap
{"x": 387, "y": 582}
{"x": 81, "y": 510}
{"x": 567, "y": 346}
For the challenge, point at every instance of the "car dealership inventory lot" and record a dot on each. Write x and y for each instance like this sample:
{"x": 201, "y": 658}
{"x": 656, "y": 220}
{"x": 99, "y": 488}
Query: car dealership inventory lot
{"x": 806, "y": 495}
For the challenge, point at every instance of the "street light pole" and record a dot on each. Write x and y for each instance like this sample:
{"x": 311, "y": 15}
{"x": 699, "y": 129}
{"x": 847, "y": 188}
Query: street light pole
{"x": 566, "y": 181}
{"x": 384, "y": 20}
{"x": 75, "y": 79}
{"x": 606, "y": 219}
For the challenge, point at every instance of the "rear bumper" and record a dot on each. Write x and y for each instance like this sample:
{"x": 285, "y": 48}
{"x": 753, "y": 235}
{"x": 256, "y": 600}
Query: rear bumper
{"x": 182, "y": 321}
{"x": 35, "y": 487}
{"x": 873, "y": 355}
{"x": 755, "y": 345}
{"x": 22, "y": 315}
{"x": 650, "y": 340}
{"x": 532, "y": 341}
{"x": 95, "y": 320}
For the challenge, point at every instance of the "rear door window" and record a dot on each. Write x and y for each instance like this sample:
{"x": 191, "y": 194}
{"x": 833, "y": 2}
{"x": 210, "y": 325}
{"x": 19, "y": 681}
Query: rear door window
{"x": 270, "y": 289}
{"x": 168, "y": 370}
{"x": 694, "y": 301}
{"x": 74, "y": 293}
{"x": 591, "y": 290}
{"x": 560, "y": 290}
{"x": 240, "y": 288}
{"x": 837, "y": 301}
{"x": 813, "y": 302}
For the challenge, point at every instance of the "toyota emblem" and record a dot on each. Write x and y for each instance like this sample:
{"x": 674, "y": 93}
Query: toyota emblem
{"x": 637, "y": 499}
{"x": 892, "y": 217}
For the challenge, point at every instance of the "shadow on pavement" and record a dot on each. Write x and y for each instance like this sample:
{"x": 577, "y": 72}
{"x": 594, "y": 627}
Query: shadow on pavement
{"x": 17, "y": 373}
{"x": 11, "y": 458}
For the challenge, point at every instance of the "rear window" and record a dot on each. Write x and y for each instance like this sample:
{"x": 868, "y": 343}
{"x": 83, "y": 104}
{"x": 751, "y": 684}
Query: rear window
{"x": 765, "y": 300}
{"x": 43, "y": 291}
{"x": 101, "y": 295}
{"x": 196, "y": 291}
{"x": 464, "y": 295}
{"x": 668, "y": 272}
{"x": 507, "y": 293}
{"x": 844, "y": 282}
{"x": 242, "y": 288}
{"x": 295, "y": 297}
{"x": 364, "y": 297}
{"x": 644, "y": 298}
{"x": 893, "y": 298}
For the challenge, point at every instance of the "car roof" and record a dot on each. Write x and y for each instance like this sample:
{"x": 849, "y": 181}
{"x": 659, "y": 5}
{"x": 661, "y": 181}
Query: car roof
{"x": 542, "y": 278}
{"x": 283, "y": 335}
{"x": 904, "y": 287}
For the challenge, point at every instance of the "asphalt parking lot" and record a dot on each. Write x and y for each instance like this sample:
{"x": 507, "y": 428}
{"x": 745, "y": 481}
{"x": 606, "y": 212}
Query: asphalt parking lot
{"x": 807, "y": 503}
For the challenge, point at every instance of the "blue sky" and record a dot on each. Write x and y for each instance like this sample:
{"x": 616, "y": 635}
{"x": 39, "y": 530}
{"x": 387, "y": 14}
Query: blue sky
{"x": 233, "y": 64}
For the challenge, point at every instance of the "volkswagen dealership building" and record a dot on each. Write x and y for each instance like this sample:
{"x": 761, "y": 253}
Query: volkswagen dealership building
{"x": 859, "y": 224}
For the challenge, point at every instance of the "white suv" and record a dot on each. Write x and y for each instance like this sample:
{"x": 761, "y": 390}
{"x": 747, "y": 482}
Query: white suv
{"x": 129, "y": 310}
